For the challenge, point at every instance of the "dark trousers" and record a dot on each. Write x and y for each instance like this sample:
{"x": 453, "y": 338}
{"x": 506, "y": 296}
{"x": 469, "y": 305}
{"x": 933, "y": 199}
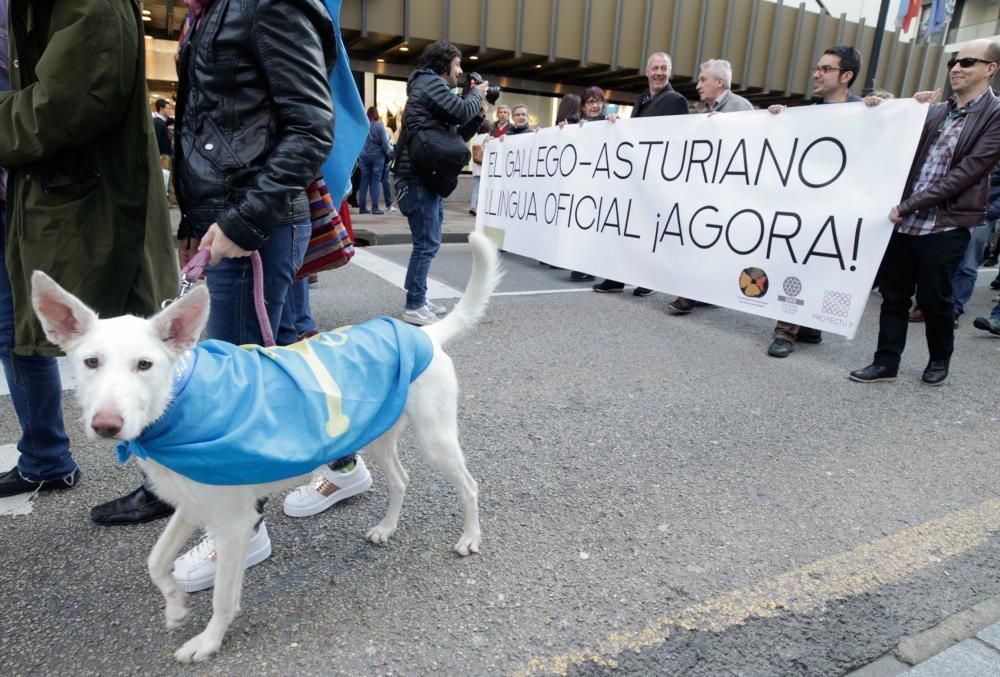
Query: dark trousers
{"x": 927, "y": 263}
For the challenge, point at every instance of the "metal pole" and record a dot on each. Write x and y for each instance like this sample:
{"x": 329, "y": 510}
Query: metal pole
{"x": 883, "y": 11}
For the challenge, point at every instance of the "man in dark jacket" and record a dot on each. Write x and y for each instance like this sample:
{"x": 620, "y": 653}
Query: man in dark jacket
{"x": 660, "y": 99}
{"x": 162, "y": 108}
{"x": 945, "y": 196}
{"x": 430, "y": 103}
{"x": 84, "y": 200}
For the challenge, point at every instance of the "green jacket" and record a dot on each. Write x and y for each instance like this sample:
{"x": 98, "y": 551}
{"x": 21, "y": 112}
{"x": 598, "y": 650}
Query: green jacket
{"x": 85, "y": 197}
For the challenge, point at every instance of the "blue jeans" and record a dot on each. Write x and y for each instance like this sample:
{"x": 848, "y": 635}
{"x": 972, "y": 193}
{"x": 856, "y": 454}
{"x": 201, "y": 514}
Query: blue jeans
{"x": 371, "y": 177}
{"x": 35, "y": 391}
{"x": 963, "y": 282}
{"x": 386, "y": 187}
{"x": 230, "y": 284}
{"x": 424, "y": 209}
{"x": 297, "y": 308}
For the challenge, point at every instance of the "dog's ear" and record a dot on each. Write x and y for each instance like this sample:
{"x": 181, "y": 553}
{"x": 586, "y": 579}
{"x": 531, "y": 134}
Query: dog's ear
{"x": 64, "y": 317}
{"x": 180, "y": 324}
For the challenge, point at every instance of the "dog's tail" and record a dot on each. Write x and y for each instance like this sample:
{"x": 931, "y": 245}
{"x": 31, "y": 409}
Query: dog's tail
{"x": 483, "y": 281}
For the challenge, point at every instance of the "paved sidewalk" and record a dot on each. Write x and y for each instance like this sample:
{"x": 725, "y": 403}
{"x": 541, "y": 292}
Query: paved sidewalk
{"x": 391, "y": 228}
{"x": 966, "y": 644}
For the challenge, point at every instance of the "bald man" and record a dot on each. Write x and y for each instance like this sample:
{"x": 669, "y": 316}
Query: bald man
{"x": 946, "y": 195}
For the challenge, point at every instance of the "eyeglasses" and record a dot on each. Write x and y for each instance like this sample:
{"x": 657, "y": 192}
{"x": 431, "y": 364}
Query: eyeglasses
{"x": 967, "y": 62}
{"x": 826, "y": 69}
{"x": 590, "y": 101}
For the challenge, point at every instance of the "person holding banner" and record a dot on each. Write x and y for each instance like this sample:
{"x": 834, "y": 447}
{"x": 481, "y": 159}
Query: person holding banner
{"x": 660, "y": 99}
{"x": 832, "y": 79}
{"x": 946, "y": 195}
{"x": 715, "y": 81}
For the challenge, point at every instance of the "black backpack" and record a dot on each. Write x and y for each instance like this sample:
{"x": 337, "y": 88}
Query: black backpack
{"x": 437, "y": 157}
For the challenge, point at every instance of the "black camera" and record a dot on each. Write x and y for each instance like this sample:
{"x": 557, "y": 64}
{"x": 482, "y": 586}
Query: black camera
{"x": 492, "y": 92}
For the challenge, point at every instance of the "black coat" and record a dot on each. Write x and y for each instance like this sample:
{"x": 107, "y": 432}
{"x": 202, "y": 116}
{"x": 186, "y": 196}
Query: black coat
{"x": 162, "y": 136}
{"x": 254, "y": 115}
{"x": 430, "y": 103}
{"x": 666, "y": 102}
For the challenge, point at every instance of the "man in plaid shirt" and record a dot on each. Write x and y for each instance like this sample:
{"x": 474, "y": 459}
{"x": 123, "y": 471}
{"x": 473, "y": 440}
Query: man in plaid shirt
{"x": 946, "y": 195}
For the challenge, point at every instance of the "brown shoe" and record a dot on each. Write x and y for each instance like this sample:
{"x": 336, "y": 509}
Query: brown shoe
{"x": 916, "y": 315}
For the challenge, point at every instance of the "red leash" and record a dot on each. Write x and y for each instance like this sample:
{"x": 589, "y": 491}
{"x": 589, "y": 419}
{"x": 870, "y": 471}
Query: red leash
{"x": 195, "y": 270}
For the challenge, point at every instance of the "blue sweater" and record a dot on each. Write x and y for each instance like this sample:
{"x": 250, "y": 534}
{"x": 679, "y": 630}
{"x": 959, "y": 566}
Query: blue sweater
{"x": 250, "y": 415}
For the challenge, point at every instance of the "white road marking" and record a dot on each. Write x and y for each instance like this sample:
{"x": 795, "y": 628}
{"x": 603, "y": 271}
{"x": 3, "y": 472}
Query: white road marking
{"x": 396, "y": 274}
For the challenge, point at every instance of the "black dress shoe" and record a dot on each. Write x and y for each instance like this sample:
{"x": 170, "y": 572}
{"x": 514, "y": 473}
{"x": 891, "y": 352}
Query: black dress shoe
{"x": 577, "y": 276}
{"x": 935, "y": 373}
{"x": 809, "y": 335}
{"x": 608, "y": 287}
{"x": 142, "y": 505}
{"x": 780, "y": 348}
{"x": 873, "y": 373}
{"x": 12, "y": 484}
{"x": 681, "y": 306}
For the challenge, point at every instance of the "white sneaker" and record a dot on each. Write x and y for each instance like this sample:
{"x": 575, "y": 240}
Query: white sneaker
{"x": 393, "y": 210}
{"x": 419, "y": 316}
{"x": 437, "y": 309}
{"x": 327, "y": 488}
{"x": 195, "y": 569}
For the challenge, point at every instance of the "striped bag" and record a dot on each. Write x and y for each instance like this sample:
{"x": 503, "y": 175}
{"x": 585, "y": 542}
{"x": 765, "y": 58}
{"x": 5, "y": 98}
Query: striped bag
{"x": 330, "y": 245}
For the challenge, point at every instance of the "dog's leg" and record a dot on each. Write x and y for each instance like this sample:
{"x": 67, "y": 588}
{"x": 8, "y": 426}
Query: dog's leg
{"x": 232, "y": 539}
{"x": 161, "y": 560}
{"x": 433, "y": 409}
{"x": 386, "y": 456}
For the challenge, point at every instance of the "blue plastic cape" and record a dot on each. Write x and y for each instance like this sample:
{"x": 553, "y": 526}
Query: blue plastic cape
{"x": 250, "y": 415}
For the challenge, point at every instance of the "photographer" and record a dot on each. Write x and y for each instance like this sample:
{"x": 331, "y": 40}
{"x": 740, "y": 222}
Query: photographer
{"x": 436, "y": 125}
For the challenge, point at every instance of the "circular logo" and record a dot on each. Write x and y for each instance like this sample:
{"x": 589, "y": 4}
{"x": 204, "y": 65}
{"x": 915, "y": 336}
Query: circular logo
{"x": 792, "y": 286}
{"x": 753, "y": 282}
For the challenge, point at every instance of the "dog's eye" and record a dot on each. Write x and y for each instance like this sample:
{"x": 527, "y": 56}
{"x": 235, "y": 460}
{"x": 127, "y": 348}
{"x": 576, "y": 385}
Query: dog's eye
{"x": 143, "y": 365}
{"x": 91, "y": 363}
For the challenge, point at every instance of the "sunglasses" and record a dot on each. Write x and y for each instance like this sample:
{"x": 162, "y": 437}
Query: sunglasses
{"x": 967, "y": 62}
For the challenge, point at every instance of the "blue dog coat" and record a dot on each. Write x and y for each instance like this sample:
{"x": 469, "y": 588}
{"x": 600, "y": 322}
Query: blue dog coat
{"x": 250, "y": 415}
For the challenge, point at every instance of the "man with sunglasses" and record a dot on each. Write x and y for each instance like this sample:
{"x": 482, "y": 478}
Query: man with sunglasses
{"x": 946, "y": 194}
{"x": 832, "y": 79}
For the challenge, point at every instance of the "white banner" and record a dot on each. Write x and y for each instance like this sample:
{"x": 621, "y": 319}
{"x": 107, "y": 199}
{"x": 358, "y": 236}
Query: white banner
{"x": 784, "y": 216}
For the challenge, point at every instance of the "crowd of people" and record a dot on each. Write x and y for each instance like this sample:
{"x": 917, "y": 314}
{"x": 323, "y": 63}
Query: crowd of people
{"x": 82, "y": 197}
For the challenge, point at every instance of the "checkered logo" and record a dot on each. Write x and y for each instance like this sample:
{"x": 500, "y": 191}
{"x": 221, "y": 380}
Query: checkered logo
{"x": 792, "y": 286}
{"x": 836, "y": 303}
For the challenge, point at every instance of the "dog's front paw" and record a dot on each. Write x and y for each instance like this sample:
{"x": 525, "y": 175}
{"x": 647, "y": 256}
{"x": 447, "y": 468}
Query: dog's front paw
{"x": 379, "y": 535}
{"x": 467, "y": 545}
{"x": 197, "y": 649}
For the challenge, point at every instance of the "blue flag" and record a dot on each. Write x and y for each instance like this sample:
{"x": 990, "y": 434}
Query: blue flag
{"x": 350, "y": 124}
{"x": 940, "y": 16}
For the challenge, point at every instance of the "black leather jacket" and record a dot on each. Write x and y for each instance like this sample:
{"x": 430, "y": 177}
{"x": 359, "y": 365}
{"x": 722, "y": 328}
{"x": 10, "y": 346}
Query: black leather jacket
{"x": 254, "y": 116}
{"x": 431, "y": 103}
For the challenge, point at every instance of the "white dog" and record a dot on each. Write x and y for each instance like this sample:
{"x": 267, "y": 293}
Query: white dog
{"x": 125, "y": 369}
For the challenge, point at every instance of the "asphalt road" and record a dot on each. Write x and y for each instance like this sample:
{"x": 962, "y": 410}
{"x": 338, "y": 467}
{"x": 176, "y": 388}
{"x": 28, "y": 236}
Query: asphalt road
{"x": 658, "y": 496}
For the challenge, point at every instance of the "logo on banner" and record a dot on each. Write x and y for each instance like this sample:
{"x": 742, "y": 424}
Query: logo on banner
{"x": 792, "y": 286}
{"x": 753, "y": 283}
{"x": 836, "y": 303}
